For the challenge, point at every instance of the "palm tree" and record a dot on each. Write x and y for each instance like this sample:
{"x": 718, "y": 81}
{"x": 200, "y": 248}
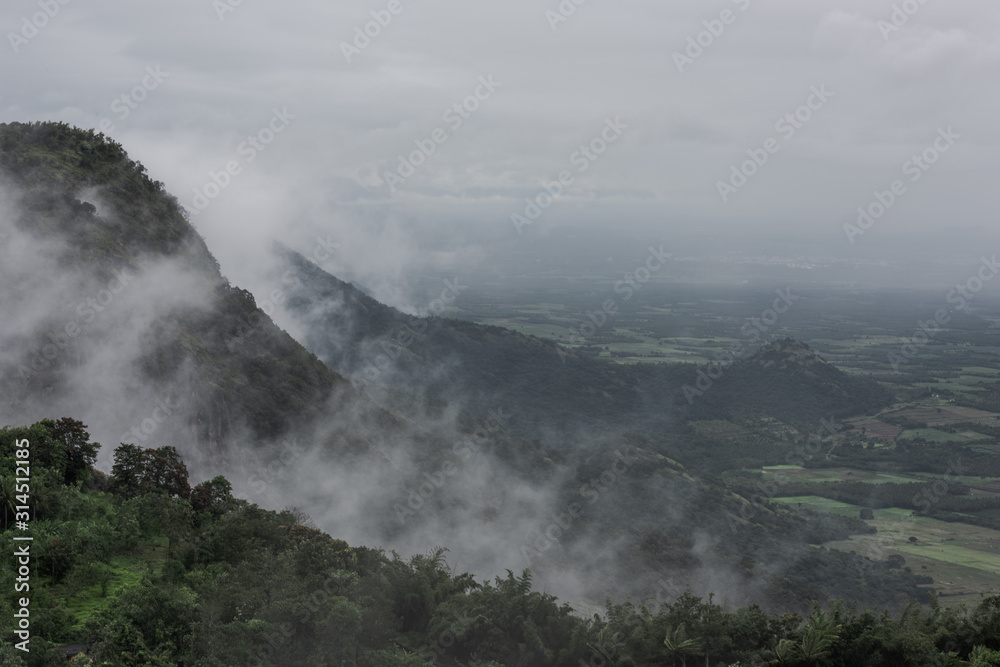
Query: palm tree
{"x": 607, "y": 644}
{"x": 785, "y": 652}
{"x": 679, "y": 645}
{"x": 817, "y": 639}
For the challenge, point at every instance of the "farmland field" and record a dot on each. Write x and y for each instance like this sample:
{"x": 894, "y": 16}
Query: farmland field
{"x": 951, "y": 414}
{"x": 797, "y": 474}
{"x": 963, "y": 560}
{"x": 934, "y": 435}
{"x": 820, "y": 504}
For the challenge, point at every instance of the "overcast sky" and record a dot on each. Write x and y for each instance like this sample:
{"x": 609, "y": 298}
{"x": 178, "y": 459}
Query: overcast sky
{"x": 676, "y": 117}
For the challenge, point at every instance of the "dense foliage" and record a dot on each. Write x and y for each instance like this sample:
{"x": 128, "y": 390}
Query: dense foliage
{"x": 146, "y": 575}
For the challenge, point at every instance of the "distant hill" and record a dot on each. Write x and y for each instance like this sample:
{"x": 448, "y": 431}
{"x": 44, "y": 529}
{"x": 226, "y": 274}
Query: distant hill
{"x": 545, "y": 387}
{"x": 786, "y": 380}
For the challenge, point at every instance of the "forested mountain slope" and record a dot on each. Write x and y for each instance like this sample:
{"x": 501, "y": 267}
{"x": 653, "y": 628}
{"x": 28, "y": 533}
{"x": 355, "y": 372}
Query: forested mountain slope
{"x": 548, "y": 389}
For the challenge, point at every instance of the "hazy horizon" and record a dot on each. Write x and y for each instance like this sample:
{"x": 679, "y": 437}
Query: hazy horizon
{"x": 183, "y": 86}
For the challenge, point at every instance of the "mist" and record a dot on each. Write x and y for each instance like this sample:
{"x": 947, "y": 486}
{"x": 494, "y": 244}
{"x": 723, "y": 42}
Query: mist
{"x": 348, "y": 119}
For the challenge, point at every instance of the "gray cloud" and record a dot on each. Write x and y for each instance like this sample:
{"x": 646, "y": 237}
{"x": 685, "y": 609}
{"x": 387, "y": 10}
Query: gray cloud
{"x": 325, "y": 174}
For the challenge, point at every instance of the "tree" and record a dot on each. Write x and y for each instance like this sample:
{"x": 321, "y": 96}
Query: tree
{"x": 818, "y": 637}
{"x": 145, "y": 624}
{"x": 128, "y": 470}
{"x": 80, "y": 454}
{"x": 56, "y": 558}
{"x": 679, "y": 645}
{"x": 212, "y": 496}
{"x": 606, "y": 644}
{"x": 712, "y": 628}
{"x": 10, "y": 656}
{"x": 175, "y": 520}
{"x": 164, "y": 469}
{"x": 138, "y": 471}
{"x": 984, "y": 657}
{"x": 895, "y": 561}
{"x": 785, "y": 652}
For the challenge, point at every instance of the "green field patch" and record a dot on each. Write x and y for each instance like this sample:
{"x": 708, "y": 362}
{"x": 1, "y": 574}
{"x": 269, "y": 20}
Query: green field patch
{"x": 933, "y": 435}
{"x": 898, "y": 515}
{"x": 981, "y": 370}
{"x": 986, "y": 448}
{"x": 956, "y": 387}
{"x": 956, "y": 554}
{"x": 797, "y": 474}
{"x": 820, "y": 504}
{"x": 963, "y": 560}
{"x": 968, "y": 480}
{"x": 120, "y": 572}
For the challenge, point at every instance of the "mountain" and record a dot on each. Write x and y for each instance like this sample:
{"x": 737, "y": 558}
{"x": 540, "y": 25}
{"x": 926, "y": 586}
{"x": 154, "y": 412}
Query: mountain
{"x": 102, "y": 236}
{"x": 542, "y": 387}
{"x": 415, "y": 433}
{"x": 788, "y": 381}
{"x": 547, "y": 389}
